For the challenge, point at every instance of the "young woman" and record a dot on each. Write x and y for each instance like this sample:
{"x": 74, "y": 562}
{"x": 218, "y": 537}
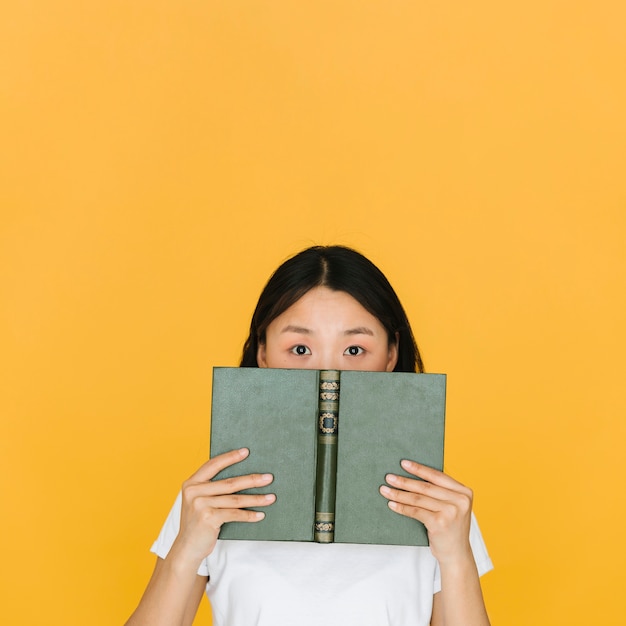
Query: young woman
{"x": 325, "y": 308}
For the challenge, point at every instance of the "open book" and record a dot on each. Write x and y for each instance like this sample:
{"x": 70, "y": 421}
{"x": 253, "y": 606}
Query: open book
{"x": 329, "y": 438}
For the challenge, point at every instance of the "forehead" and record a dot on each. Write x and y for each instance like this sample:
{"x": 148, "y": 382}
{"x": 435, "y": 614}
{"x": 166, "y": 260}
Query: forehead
{"x": 323, "y": 306}
{"x": 323, "y": 297}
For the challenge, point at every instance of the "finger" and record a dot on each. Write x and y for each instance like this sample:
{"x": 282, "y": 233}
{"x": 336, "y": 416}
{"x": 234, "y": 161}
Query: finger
{"x": 215, "y": 465}
{"x": 222, "y": 516}
{"x": 411, "y": 499}
{"x": 428, "y": 518}
{"x": 225, "y": 486}
{"x": 426, "y": 510}
{"x": 237, "y": 501}
{"x": 456, "y": 506}
{"x": 421, "y": 487}
{"x": 433, "y": 476}
{"x": 237, "y": 483}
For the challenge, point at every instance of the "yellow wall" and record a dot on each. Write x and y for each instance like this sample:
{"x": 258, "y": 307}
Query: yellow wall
{"x": 158, "y": 160}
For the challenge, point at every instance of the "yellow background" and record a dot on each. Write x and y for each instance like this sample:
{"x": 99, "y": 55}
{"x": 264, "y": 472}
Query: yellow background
{"x": 159, "y": 159}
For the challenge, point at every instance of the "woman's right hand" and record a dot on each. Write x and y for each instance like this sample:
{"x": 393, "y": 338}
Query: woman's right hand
{"x": 207, "y": 504}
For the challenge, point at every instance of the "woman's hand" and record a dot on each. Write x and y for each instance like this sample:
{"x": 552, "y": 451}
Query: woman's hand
{"x": 207, "y": 504}
{"x": 441, "y": 503}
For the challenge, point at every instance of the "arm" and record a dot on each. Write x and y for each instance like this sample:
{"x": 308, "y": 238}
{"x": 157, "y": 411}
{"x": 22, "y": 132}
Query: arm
{"x": 175, "y": 589}
{"x": 172, "y": 596}
{"x": 462, "y": 601}
{"x": 444, "y": 506}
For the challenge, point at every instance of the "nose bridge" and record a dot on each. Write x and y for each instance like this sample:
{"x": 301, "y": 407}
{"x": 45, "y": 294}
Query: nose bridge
{"x": 328, "y": 358}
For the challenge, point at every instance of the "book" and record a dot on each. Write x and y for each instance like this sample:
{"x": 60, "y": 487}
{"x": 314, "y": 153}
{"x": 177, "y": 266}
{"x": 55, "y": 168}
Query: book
{"x": 329, "y": 438}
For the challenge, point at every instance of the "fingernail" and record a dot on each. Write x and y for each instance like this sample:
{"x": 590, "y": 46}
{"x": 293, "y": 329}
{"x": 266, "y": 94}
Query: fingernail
{"x": 270, "y": 497}
{"x": 391, "y": 478}
{"x": 259, "y": 515}
{"x": 267, "y": 477}
{"x": 243, "y": 452}
{"x": 385, "y": 490}
{"x": 406, "y": 464}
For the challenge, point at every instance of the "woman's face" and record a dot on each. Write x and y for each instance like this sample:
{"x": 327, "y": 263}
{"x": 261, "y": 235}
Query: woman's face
{"x": 327, "y": 329}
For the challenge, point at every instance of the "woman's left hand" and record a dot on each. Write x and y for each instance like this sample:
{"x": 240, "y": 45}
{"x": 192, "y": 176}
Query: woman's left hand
{"x": 441, "y": 503}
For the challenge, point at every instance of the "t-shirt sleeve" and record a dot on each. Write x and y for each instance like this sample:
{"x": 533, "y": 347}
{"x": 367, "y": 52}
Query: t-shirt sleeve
{"x": 168, "y": 534}
{"x": 479, "y": 550}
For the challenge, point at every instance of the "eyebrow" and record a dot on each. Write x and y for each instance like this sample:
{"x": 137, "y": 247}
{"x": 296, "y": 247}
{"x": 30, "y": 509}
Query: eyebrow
{"x": 301, "y": 330}
{"x": 359, "y": 330}
{"x": 290, "y": 328}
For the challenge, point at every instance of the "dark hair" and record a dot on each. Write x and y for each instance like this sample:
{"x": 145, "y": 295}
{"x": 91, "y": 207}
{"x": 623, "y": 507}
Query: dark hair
{"x": 341, "y": 269}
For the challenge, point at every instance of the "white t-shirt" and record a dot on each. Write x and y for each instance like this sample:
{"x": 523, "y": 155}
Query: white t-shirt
{"x": 273, "y": 583}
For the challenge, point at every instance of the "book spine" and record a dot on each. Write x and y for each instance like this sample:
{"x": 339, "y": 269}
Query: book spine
{"x": 326, "y": 478}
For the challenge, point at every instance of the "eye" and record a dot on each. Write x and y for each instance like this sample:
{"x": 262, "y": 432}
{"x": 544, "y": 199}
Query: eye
{"x": 300, "y": 350}
{"x": 354, "y": 350}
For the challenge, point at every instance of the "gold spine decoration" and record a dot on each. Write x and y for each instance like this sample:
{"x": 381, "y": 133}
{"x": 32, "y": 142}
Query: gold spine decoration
{"x": 324, "y": 527}
{"x": 323, "y": 425}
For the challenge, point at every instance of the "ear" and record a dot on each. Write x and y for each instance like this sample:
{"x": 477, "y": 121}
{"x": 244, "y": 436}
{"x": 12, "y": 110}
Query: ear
{"x": 260, "y": 356}
{"x": 392, "y": 359}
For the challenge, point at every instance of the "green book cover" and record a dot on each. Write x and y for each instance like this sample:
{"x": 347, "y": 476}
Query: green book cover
{"x": 329, "y": 449}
